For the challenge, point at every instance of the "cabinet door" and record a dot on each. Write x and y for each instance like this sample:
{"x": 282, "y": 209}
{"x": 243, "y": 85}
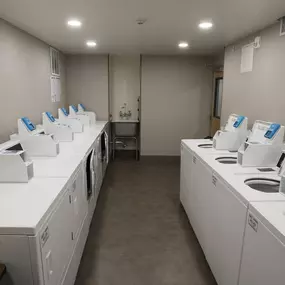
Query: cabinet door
{"x": 263, "y": 258}
{"x": 78, "y": 199}
{"x": 200, "y": 201}
{"x": 56, "y": 243}
{"x": 225, "y": 233}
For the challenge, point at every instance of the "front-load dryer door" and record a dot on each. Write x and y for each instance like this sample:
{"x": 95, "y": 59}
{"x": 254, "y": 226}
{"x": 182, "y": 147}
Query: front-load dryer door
{"x": 106, "y": 137}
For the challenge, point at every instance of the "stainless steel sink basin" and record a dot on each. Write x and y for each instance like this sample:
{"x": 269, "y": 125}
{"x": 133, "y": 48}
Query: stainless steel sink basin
{"x": 227, "y": 160}
{"x": 205, "y": 145}
{"x": 266, "y": 185}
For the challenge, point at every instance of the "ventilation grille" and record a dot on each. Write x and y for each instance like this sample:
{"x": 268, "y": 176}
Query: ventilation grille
{"x": 54, "y": 62}
{"x": 282, "y": 26}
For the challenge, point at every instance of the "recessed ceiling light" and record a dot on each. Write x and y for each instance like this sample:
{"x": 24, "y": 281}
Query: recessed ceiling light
{"x": 183, "y": 45}
{"x": 91, "y": 44}
{"x": 74, "y": 23}
{"x": 205, "y": 25}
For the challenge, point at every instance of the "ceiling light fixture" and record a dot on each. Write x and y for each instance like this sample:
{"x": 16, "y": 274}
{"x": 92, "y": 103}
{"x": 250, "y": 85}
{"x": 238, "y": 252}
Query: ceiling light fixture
{"x": 183, "y": 45}
{"x": 74, "y": 23}
{"x": 91, "y": 44}
{"x": 206, "y": 25}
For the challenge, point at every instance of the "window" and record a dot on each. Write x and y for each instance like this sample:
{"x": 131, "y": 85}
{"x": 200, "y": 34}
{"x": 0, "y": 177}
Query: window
{"x": 218, "y": 97}
{"x": 54, "y": 62}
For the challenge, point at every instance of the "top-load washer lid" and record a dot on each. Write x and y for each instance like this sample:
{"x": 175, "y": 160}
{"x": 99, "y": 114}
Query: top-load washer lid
{"x": 227, "y": 160}
{"x": 206, "y": 145}
{"x": 266, "y": 185}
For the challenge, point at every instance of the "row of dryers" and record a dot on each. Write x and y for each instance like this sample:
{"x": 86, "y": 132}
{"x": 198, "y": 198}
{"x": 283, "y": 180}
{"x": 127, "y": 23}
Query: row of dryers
{"x": 50, "y": 179}
{"x": 232, "y": 191}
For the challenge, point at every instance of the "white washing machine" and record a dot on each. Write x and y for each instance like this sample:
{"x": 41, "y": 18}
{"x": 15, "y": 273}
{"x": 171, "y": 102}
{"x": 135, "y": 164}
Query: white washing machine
{"x": 263, "y": 256}
{"x": 220, "y": 209}
{"x": 190, "y": 151}
{"x": 34, "y": 245}
{"x": 220, "y": 198}
{"x": 216, "y": 201}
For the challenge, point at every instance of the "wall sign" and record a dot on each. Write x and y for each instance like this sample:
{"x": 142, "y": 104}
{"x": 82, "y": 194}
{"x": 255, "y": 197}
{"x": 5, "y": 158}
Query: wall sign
{"x": 247, "y": 53}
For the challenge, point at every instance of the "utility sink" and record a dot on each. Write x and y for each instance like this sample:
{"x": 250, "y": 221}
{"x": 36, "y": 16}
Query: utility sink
{"x": 227, "y": 160}
{"x": 205, "y": 145}
{"x": 265, "y": 185}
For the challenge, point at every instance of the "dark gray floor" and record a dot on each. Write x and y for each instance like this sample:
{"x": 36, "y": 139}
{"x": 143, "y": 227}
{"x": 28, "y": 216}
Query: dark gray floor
{"x": 140, "y": 234}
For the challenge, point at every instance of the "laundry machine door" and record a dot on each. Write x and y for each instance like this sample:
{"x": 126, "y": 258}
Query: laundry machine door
{"x": 107, "y": 147}
{"x": 78, "y": 199}
{"x": 56, "y": 243}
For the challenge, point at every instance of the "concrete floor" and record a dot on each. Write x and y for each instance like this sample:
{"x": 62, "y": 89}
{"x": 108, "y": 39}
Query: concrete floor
{"x": 140, "y": 233}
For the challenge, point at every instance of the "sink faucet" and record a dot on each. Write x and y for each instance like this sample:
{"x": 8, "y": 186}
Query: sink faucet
{"x": 124, "y": 113}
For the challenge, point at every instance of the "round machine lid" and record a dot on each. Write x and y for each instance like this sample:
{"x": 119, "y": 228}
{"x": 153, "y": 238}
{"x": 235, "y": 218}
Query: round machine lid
{"x": 227, "y": 160}
{"x": 205, "y": 145}
{"x": 265, "y": 185}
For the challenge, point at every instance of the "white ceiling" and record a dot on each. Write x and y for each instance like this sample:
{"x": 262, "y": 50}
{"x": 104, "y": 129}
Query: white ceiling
{"x": 112, "y": 23}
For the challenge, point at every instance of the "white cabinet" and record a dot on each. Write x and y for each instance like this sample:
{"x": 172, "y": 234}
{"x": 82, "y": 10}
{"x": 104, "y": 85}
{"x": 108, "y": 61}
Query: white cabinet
{"x": 56, "y": 243}
{"x": 225, "y": 232}
{"x": 78, "y": 200}
{"x": 263, "y": 259}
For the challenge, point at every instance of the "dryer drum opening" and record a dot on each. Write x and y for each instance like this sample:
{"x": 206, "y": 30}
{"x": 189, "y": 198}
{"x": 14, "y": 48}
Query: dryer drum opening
{"x": 227, "y": 160}
{"x": 205, "y": 145}
{"x": 263, "y": 184}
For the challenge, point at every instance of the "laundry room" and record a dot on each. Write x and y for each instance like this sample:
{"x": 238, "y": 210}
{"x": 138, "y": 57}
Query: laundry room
{"x": 142, "y": 142}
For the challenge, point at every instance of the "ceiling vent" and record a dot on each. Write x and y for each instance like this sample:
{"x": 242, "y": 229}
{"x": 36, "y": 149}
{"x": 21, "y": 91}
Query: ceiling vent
{"x": 282, "y": 26}
{"x": 141, "y": 21}
{"x": 54, "y": 62}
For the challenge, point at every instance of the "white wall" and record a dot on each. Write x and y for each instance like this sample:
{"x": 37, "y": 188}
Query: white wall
{"x": 124, "y": 84}
{"x": 24, "y": 79}
{"x": 259, "y": 94}
{"x": 87, "y": 83}
{"x": 176, "y": 102}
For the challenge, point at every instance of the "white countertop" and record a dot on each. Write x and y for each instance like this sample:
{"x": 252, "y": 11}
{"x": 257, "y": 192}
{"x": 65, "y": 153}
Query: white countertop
{"x": 193, "y": 145}
{"x": 245, "y": 193}
{"x": 228, "y": 169}
{"x": 24, "y": 206}
{"x": 70, "y": 156}
{"x": 272, "y": 215}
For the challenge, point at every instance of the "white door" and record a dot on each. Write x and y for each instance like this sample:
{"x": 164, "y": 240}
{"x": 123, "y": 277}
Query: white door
{"x": 263, "y": 259}
{"x": 225, "y": 233}
{"x": 78, "y": 199}
{"x": 57, "y": 244}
